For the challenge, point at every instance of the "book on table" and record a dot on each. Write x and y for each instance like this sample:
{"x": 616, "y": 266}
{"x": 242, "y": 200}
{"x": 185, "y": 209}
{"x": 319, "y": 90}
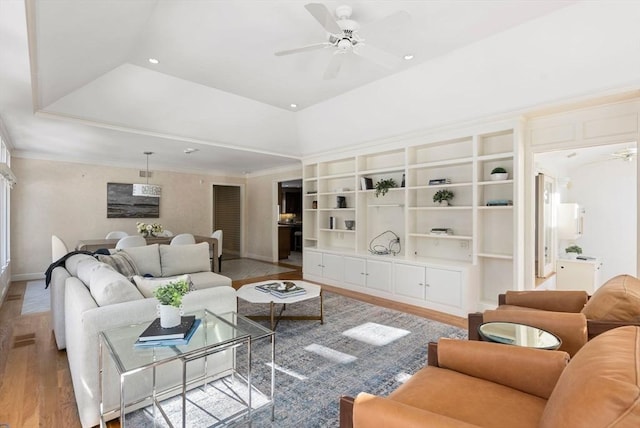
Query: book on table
{"x": 169, "y": 342}
{"x": 156, "y": 332}
{"x": 281, "y": 289}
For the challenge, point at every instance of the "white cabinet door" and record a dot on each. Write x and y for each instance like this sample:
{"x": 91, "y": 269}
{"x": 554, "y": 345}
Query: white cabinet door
{"x": 355, "y": 271}
{"x": 409, "y": 280}
{"x": 444, "y": 286}
{"x": 312, "y": 262}
{"x": 332, "y": 266}
{"x": 379, "y": 275}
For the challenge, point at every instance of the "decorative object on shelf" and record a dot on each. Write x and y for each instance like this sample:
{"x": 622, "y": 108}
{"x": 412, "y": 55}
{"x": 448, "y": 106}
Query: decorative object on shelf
{"x": 385, "y": 243}
{"x": 383, "y": 186}
{"x": 403, "y": 181}
{"x": 170, "y": 298}
{"x": 341, "y": 201}
{"x": 349, "y": 224}
{"x": 314, "y": 205}
{"x": 499, "y": 202}
{"x": 332, "y": 222}
{"x": 573, "y": 251}
{"x": 151, "y": 229}
{"x": 366, "y": 183}
{"x": 437, "y": 181}
{"x": 441, "y": 231}
{"x": 499, "y": 173}
{"x": 443, "y": 196}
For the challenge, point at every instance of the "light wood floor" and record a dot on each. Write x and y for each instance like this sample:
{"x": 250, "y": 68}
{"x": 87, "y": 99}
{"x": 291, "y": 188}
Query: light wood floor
{"x": 35, "y": 382}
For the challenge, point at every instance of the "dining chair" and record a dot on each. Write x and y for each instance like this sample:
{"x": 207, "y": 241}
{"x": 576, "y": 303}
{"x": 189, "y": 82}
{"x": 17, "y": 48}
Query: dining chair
{"x": 183, "y": 239}
{"x": 218, "y": 235}
{"x": 131, "y": 241}
{"x": 58, "y": 248}
{"x": 116, "y": 234}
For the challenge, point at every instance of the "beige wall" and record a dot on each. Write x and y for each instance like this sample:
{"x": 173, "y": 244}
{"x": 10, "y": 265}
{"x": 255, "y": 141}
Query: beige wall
{"x": 70, "y": 200}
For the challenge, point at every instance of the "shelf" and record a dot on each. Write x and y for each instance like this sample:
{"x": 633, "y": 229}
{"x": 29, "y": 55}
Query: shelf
{"x": 496, "y": 156}
{"x": 338, "y": 230}
{"x": 379, "y": 171}
{"x": 433, "y": 236}
{"x": 342, "y": 175}
{"x": 438, "y": 186}
{"x": 384, "y": 205}
{"x": 336, "y": 209}
{"x": 449, "y": 208}
{"x": 335, "y": 193}
{"x": 311, "y": 194}
{"x": 310, "y": 239}
{"x": 495, "y": 207}
{"x": 490, "y": 182}
{"x": 448, "y": 162}
{"x": 311, "y": 209}
{"x": 496, "y": 256}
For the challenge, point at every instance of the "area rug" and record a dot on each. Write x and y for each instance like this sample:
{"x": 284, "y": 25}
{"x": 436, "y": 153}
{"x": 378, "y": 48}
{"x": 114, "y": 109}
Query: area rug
{"x": 248, "y": 268}
{"x": 360, "y": 347}
{"x": 36, "y": 298}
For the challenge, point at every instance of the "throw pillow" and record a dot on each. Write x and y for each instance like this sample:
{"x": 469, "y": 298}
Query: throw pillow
{"x": 146, "y": 259}
{"x": 121, "y": 262}
{"x": 179, "y": 259}
{"x": 616, "y": 300}
{"x": 148, "y": 285}
{"x": 71, "y": 264}
{"x": 85, "y": 268}
{"x": 109, "y": 287}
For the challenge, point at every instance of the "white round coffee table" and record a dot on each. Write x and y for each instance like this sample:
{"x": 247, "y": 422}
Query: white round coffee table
{"x": 249, "y": 294}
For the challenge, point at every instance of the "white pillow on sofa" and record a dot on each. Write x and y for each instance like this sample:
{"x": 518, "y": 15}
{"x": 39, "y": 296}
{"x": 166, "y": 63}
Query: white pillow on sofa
{"x": 85, "y": 268}
{"x": 179, "y": 259}
{"x": 109, "y": 287}
{"x": 148, "y": 285}
{"x": 146, "y": 258}
{"x": 71, "y": 264}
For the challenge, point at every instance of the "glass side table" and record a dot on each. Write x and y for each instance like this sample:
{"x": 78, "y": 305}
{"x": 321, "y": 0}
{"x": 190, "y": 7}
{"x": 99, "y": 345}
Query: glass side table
{"x": 219, "y": 337}
{"x": 511, "y": 333}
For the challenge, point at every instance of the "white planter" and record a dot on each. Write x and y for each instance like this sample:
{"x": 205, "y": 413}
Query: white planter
{"x": 170, "y": 316}
{"x": 500, "y": 176}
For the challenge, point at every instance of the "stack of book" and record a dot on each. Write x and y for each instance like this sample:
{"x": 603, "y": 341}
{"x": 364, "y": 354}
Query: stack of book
{"x": 499, "y": 202}
{"x": 437, "y": 181}
{"x": 281, "y": 289}
{"x": 441, "y": 231}
{"x": 155, "y": 335}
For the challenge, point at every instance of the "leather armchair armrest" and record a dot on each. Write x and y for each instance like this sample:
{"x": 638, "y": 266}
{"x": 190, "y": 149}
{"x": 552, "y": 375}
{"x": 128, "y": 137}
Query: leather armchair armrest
{"x": 596, "y": 327}
{"x": 474, "y": 320}
{"x": 547, "y": 300}
{"x": 373, "y": 411}
{"x": 504, "y": 364}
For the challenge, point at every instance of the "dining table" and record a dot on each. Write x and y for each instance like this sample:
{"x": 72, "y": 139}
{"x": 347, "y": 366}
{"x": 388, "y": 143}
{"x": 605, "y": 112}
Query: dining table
{"x": 96, "y": 244}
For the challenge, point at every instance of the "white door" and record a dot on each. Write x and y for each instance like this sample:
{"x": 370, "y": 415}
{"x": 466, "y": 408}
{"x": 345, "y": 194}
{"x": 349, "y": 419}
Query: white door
{"x": 312, "y": 263}
{"x": 332, "y": 266}
{"x": 355, "y": 271}
{"x": 409, "y": 280}
{"x": 444, "y": 286}
{"x": 379, "y": 275}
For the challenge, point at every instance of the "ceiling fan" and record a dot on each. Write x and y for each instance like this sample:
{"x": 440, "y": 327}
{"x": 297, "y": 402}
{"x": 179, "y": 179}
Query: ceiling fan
{"x": 626, "y": 155}
{"x": 345, "y": 37}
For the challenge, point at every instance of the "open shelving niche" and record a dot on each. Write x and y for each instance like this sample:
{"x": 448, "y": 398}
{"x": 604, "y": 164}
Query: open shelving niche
{"x": 483, "y": 242}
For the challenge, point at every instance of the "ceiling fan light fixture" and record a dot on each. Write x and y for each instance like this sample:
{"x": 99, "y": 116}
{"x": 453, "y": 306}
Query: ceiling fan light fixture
{"x": 293, "y": 105}
{"x": 154, "y": 61}
{"x": 408, "y": 57}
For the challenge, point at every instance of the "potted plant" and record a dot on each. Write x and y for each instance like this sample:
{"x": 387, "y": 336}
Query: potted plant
{"x": 443, "y": 196}
{"x": 170, "y": 298}
{"x": 573, "y": 251}
{"x": 499, "y": 173}
{"x": 383, "y": 186}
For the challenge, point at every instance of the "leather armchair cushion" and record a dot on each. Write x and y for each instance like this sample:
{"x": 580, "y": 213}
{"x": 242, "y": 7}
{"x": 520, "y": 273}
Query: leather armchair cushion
{"x": 548, "y": 300}
{"x": 616, "y": 300}
{"x": 601, "y": 385}
{"x": 570, "y": 328}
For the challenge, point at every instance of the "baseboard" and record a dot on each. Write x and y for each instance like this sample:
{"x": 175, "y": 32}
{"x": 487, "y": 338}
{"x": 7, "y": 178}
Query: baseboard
{"x": 258, "y": 257}
{"x": 27, "y": 276}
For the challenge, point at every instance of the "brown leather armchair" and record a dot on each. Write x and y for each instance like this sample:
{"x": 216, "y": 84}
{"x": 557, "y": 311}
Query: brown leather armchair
{"x": 473, "y": 384}
{"x": 616, "y": 303}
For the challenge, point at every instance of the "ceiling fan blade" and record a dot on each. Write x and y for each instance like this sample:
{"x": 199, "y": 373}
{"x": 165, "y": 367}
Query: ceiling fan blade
{"x": 334, "y": 65}
{"x": 324, "y": 17}
{"x": 387, "y": 26}
{"x": 313, "y": 47}
{"x": 376, "y": 55}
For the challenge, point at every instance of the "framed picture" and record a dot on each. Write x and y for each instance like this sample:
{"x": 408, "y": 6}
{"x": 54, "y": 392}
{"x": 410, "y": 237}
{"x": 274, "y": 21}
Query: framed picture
{"x": 122, "y": 204}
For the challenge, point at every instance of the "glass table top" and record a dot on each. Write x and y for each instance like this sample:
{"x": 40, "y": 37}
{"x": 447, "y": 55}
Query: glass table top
{"x": 519, "y": 335}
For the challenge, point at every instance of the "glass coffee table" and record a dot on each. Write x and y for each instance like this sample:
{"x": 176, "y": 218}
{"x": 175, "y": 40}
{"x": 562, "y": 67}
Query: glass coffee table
{"x": 517, "y": 334}
{"x": 215, "y": 344}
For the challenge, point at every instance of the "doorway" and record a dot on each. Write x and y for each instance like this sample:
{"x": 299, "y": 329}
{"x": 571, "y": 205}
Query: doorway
{"x": 290, "y": 220}
{"x": 227, "y": 214}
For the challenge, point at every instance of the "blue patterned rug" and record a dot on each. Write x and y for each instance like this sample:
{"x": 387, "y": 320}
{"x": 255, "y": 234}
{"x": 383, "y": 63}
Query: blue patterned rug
{"x": 360, "y": 347}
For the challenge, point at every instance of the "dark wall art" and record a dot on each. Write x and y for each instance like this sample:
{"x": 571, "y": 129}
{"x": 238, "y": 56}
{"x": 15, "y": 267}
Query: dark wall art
{"x": 122, "y": 204}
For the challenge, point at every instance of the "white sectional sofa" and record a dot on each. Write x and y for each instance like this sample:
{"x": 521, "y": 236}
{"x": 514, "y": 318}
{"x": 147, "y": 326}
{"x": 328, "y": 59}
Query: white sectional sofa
{"x": 89, "y": 296}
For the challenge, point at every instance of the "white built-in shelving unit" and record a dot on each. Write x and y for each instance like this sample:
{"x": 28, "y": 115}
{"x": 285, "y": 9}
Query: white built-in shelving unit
{"x": 454, "y": 273}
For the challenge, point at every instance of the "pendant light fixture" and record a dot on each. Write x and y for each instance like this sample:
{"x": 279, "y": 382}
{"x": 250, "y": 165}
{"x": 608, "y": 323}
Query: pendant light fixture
{"x": 151, "y": 190}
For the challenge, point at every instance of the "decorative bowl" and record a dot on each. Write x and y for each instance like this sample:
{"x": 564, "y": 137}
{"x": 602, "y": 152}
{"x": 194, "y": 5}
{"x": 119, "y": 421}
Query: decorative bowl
{"x": 349, "y": 224}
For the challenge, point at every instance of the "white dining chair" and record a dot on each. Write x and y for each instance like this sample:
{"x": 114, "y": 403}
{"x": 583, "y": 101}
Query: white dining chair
{"x": 131, "y": 241}
{"x": 218, "y": 235}
{"x": 183, "y": 239}
{"x": 116, "y": 234}
{"x": 58, "y": 248}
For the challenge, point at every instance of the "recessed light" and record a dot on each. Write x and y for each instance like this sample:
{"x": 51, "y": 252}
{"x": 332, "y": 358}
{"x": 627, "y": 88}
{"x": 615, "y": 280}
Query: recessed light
{"x": 153, "y": 61}
{"x": 408, "y": 57}
{"x": 293, "y": 105}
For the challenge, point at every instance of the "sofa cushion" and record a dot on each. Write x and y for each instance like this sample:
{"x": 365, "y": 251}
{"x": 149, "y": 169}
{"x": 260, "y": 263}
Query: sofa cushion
{"x": 616, "y": 300}
{"x": 201, "y": 280}
{"x": 146, "y": 259}
{"x": 109, "y": 287}
{"x": 179, "y": 259}
{"x": 120, "y": 262}
{"x": 85, "y": 268}
{"x": 71, "y": 264}
{"x": 600, "y": 386}
{"x": 147, "y": 286}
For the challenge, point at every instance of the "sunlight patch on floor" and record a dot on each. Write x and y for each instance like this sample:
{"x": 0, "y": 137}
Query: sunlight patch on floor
{"x": 375, "y": 334}
{"x": 331, "y": 354}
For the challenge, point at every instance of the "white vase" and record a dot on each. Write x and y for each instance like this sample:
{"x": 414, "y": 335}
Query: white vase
{"x": 170, "y": 316}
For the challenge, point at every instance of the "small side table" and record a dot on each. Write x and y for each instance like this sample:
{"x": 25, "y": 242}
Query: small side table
{"x": 510, "y": 333}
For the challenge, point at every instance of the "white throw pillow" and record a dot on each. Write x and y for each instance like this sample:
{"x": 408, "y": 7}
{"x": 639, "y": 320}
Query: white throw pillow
{"x": 179, "y": 259}
{"x": 71, "y": 264}
{"x": 85, "y": 268}
{"x": 146, "y": 258}
{"x": 148, "y": 285}
{"x": 109, "y": 287}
